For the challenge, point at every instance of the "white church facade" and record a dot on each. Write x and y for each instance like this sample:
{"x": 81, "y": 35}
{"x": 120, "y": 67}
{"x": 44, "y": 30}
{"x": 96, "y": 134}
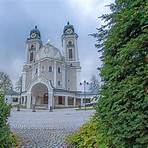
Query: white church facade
{"x": 50, "y": 78}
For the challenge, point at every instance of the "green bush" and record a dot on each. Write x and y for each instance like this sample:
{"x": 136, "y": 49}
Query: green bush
{"x": 6, "y": 138}
{"x": 89, "y": 136}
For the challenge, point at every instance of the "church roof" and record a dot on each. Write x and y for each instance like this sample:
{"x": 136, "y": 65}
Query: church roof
{"x": 11, "y": 92}
{"x": 50, "y": 51}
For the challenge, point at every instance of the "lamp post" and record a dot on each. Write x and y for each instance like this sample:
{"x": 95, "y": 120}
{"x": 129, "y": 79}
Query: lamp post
{"x": 84, "y": 83}
{"x": 19, "y": 104}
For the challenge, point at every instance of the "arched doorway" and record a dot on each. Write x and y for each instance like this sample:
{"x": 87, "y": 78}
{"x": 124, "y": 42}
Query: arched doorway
{"x": 39, "y": 94}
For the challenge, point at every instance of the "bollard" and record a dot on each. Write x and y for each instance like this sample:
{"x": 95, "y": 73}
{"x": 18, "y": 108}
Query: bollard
{"x": 50, "y": 109}
{"x": 18, "y": 107}
{"x": 33, "y": 108}
{"x": 79, "y": 106}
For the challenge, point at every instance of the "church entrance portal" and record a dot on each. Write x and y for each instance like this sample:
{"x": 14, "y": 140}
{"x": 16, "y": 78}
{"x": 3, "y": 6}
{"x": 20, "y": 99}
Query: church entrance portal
{"x": 40, "y": 95}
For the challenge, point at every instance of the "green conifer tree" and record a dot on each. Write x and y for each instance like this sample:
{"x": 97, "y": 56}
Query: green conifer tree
{"x": 123, "y": 103}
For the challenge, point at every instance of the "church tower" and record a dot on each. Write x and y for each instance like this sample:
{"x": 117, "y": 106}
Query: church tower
{"x": 70, "y": 50}
{"x": 69, "y": 42}
{"x": 33, "y": 44}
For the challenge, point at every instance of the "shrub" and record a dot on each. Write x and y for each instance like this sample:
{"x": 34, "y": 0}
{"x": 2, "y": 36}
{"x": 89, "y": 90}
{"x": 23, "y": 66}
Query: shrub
{"x": 6, "y": 138}
{"x": 89, "y": 136}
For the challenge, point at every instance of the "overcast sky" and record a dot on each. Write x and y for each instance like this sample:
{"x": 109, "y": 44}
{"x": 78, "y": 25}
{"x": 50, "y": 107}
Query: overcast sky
{"x": 18, "y": 17}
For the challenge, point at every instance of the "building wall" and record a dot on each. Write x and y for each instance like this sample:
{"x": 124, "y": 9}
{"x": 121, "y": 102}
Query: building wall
{"x": 48, "y": 55}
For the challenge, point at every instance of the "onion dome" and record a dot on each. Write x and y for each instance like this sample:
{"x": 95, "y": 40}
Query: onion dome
{"x": 68, "y": 29}
{"x": 35, "y": 33}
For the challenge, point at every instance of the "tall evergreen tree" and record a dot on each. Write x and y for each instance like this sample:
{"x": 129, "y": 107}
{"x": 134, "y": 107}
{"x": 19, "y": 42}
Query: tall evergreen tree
{"x": 6, "y": 138}
{"x": 123, "y": 104}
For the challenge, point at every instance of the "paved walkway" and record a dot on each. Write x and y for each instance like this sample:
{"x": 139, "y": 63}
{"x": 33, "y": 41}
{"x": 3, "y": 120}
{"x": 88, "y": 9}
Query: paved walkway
{"x": 44, "y": 129}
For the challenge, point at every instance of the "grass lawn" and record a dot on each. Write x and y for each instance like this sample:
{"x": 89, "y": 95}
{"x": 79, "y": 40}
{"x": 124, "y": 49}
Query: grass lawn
{"x": 87, "y": 108}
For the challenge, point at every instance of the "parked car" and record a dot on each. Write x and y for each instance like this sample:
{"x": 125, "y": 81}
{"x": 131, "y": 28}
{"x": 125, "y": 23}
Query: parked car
{"x": 91, "y": 104}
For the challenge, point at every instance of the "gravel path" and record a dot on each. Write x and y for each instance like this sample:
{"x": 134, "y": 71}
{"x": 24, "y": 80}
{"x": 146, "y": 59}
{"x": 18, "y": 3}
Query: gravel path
{"x": 44, "y": 129}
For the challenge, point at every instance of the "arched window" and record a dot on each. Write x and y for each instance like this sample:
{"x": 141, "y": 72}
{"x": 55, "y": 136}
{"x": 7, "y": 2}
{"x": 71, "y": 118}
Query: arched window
{"x": 42, "y": 69}
{"x": 33, "y": 46}
{"x": 70, "y": 54}
{"x": 36, "y": 70}
{"x": 50, "y": 69}
{"x": 70, "y": 43}
{"x": 31, "y": 56}
{"x": 59, "y": 70}
{"x": 59, "y": 83}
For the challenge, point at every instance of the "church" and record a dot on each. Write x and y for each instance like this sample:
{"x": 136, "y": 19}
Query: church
{"x": 50, "y": 76}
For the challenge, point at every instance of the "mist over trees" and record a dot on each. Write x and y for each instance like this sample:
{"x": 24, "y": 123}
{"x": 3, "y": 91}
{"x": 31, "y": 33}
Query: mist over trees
{"x": 5, "y": 82}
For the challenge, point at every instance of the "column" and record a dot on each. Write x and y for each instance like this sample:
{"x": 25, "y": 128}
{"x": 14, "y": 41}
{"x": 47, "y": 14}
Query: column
{"x": 53, "y": 101}
{"x": 39, "y": 69}
{"x": 81, "y": 101}
{"x": 50, "y": 99}
{"x": 29, "y": 100}
{"x": 63, "y": 76}
{"x": 55, "y": 73}
{"x": 74, "y": 102}
{"x": 66, "y": 101}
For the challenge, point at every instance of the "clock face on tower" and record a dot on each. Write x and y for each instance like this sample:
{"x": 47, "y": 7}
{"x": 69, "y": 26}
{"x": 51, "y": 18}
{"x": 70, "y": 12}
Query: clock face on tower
{"x": 69, "y": 31}
{"x": 33, "y": 35}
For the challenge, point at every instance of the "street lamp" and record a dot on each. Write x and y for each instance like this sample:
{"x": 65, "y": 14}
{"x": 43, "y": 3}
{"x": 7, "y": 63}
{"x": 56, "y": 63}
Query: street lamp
{"x": 20, "y": 93}
{"x": 84, "y": 83}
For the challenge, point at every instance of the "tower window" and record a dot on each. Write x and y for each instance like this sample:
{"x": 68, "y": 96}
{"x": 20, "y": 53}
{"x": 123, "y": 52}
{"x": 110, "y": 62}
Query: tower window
{"x": 50, "y": 69}
{"x": 42, "y": 69}
{"x": 70, "y": 53}
{"x": 70, "y": 43}
{"x": 59, "y": 70}
{"x": 33, "y": 46}
{"x": 31, "y": 56}
{"x": 36, "y": 71}
{"x": 59, "y": 83}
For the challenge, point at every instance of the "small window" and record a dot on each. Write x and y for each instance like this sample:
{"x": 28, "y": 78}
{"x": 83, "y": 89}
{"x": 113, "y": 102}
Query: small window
{"x": 86, "y": 100}
{"x": 36, "y": 71}
{"x": 60, "y": 100}
{"x": 50, "y": 69}
{"x": 42, "y": 69}
{"x": 59, "y": 70}
{"x": 59, "y": 83}
{"x": 22, "y": 100}
{"x": 70, "y": 53}
{"x": 70, "y": 43}
{"x": 31, "y": 56}
{"x": 33, "y": 46}
{"x": 25, "y": 99}
{"x": 15, "y": 99}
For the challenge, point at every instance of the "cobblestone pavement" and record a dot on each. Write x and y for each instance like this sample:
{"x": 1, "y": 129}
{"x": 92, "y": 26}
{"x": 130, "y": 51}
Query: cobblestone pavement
{"x": 44, "y": 129}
